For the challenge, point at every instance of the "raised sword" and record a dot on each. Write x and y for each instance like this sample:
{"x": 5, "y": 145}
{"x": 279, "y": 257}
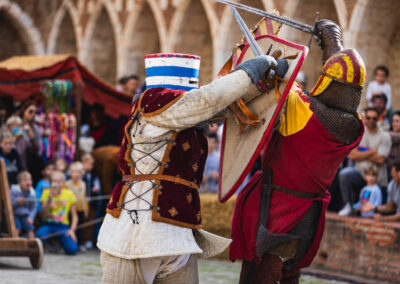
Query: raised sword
{"x": 280, "y": 19}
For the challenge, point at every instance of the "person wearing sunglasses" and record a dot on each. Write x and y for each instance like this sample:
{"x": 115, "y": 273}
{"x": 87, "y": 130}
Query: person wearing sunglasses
{"x": 374, "y": 149}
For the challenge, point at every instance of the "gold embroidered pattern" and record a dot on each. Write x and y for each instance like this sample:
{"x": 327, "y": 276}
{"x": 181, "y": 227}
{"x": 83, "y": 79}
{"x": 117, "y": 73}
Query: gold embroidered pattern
{"x": 173, "y": 211}
{"x": 111, "y": 200}
{"x": 195, "y": 167}
{"x": 189, "y": 198}
{"x": 186, "y": 146}
{"x": 201, "y": 151}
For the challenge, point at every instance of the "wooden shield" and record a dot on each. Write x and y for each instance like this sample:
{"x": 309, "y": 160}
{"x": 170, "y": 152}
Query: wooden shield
{"x": 240, "y": 147}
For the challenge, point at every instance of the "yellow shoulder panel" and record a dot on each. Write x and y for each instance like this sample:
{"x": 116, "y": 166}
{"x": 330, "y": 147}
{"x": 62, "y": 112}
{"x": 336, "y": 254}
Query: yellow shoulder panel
{"x": 296, "y": 115}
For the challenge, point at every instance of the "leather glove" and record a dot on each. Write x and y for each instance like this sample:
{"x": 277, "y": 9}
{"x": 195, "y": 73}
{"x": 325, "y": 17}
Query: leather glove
{"x": 329, "y": 38}
{"x": 257, "y": 66}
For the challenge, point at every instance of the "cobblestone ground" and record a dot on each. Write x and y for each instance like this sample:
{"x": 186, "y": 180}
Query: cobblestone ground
{"x": 85, "y": 268}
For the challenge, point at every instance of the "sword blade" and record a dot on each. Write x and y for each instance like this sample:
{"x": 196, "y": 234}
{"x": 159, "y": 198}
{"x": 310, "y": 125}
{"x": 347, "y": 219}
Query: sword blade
{"x": 286, "y": 21}
{"x": 247, "y": 34}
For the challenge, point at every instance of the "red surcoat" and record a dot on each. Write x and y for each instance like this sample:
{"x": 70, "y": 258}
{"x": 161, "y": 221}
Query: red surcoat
{"x": 303, "y": 157}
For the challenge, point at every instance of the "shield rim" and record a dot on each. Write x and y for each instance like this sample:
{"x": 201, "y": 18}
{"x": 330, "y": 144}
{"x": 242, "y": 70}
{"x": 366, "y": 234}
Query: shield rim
{"x": 267, "y": 133}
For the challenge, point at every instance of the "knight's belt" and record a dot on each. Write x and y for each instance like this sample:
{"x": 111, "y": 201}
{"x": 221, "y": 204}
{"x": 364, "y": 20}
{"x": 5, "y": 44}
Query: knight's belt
{"x": 306, "y": 195}
{"x": 182, "y": 181}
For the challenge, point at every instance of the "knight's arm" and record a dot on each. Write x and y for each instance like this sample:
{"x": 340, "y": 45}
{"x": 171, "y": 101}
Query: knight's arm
{"x": 201, "y": 104}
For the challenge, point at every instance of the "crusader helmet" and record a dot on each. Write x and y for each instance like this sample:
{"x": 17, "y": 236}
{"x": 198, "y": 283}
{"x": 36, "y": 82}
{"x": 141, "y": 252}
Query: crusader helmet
{"x": 345, "y": 66}
{"x": 175, "y": 71}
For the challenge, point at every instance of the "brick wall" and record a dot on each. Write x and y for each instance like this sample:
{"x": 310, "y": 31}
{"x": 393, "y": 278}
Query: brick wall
{"x": 360, "y": 247}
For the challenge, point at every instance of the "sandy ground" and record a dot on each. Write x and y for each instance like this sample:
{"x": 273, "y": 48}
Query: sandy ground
{"x": 85, "y": 268}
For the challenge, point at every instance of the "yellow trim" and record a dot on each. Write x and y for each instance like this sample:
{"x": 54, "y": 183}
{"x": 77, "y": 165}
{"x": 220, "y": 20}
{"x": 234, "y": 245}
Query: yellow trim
{"x": 350, "y": 69}
{"x": 296, "y": 115}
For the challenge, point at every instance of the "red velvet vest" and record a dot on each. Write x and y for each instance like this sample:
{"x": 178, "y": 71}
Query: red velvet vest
{"x": 175, "y": 196}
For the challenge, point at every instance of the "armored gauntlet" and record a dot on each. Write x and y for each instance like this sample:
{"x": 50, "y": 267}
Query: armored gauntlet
{"x": 331, "y": 38}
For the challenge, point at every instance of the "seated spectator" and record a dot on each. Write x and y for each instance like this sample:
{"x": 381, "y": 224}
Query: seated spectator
{"x": 385, "y": 115}
{"x": 370, "y": 194}
{"x": 27, "y": 113}
{"x": 374, "y": 149}
{"x": 132, "y": 85}
{"x": 101, "y": 132}
{"x": 380, "y": 85}
{"x": 211, "y": 171}
{"x": 389, "y": 211}
{"x": 44, "y": 183}
{"x": 11, "y": 157}
{"x": 58, "y": 203}
{"x": 93, "y": 189}
{"x": 78, "y": 187}
{"x": 25, "y": 142}
{"x": 395, "y": 137}
{"x": 23, "y": 199}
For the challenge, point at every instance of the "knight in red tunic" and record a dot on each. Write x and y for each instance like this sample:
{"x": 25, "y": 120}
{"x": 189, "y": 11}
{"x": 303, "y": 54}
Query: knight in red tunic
{"x": 316, "y": 132}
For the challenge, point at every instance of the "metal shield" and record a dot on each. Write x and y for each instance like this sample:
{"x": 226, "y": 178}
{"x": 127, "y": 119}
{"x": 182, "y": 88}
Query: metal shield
{"x": 241, "y": 146}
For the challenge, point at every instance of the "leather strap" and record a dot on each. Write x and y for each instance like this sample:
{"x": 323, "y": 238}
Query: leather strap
{"x": 305, "y": 195}
{"x": 160, "y": 177}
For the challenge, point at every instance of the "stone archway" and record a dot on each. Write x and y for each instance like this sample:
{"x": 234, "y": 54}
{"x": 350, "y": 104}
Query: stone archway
{"x": 140, "y": 38}
{"x": 18, "y": 34}
{"x": 101, "y": 51}
{"x": 304, "y": 11}
{"x": 66, "y": 39}
{"x": 194, "y": 37}
{"x": 65, "y": 33}
{"x": 13, "y": 42}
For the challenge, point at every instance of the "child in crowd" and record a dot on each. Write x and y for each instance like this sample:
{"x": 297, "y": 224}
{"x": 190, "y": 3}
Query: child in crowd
{"x": 24, "y": 204}
{"x": 44, "y": 183}
{"x": 11, "y": 157}
{"x": 78, "y": 187}
{"x": 57, "y": 203}
{"x": 380, "y": 85}
{"x": 93, "y": 189}
{"x": 371, "y": 193}
{"x": 61, "y": 165}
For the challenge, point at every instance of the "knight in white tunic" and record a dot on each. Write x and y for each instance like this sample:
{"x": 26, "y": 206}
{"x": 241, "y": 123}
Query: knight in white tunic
{"x": 152, "y": 232}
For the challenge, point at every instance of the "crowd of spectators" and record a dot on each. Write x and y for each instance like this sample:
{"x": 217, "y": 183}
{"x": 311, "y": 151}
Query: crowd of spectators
{"x": 369, "y": 184}
{"x": 52, "y": 197}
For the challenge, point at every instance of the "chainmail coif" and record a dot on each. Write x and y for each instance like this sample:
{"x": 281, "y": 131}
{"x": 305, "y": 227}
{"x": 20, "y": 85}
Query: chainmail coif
{"x": 336, "y": 109}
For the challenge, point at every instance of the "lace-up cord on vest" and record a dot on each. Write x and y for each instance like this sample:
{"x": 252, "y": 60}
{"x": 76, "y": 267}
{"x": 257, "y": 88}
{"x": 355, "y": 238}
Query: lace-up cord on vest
{"x": 133, "y": 213}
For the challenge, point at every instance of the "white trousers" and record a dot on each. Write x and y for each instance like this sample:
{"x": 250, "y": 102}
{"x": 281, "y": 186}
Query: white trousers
{"x": 181, "y": 269}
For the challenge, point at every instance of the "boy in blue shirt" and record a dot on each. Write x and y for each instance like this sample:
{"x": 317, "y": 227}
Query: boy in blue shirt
{"x": 370, "y": 194}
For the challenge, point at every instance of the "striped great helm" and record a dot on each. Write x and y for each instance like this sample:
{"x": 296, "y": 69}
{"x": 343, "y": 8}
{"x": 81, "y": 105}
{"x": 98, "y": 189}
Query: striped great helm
{"x": 175, "y": 71}
{"x": 345, "y": 66}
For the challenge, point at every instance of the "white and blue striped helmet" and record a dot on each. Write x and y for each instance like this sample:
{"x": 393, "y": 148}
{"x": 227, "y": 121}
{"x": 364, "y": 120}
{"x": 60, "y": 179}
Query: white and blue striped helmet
{"x": 175, "y": 71}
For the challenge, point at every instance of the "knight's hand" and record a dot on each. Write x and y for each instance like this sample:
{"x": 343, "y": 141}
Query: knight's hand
{"x": 257, "y": 66}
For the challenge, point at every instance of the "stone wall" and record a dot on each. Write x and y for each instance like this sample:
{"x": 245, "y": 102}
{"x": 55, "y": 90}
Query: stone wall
{"x": 111, "y": 36}
{"x": 360, "y": 247}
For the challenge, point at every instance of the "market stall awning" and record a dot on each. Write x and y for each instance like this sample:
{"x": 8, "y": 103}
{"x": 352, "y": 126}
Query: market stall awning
{"x": 22, "y": 76}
